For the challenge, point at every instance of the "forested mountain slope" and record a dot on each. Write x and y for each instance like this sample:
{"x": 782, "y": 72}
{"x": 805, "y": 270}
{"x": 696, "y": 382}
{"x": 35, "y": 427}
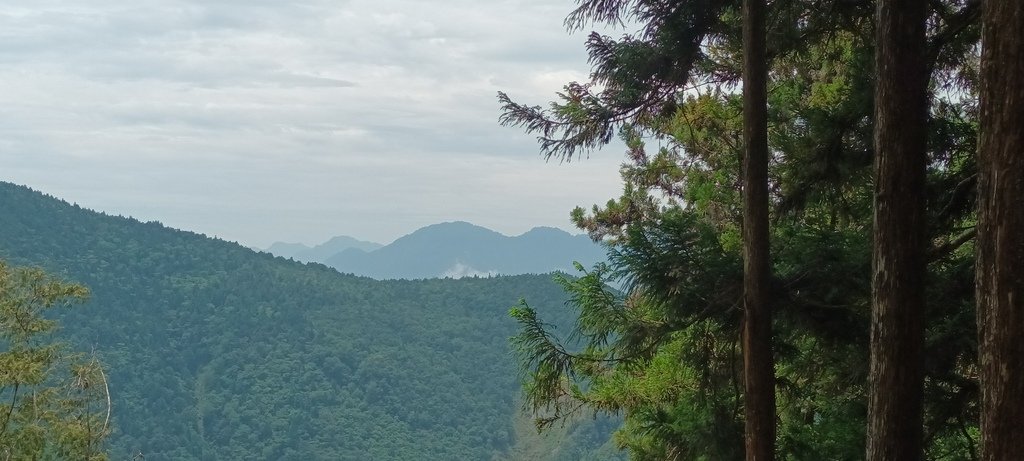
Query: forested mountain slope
{"x": 218, "y": 352}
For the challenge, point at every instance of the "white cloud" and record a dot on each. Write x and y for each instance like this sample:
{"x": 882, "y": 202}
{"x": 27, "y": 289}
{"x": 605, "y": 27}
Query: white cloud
{"x": 460, "y": 270}
{"x": 266, "y": 120}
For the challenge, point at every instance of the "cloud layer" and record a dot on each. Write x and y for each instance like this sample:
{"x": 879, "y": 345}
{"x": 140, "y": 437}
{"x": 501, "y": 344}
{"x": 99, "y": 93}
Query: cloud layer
{"x": 264, "y": 120}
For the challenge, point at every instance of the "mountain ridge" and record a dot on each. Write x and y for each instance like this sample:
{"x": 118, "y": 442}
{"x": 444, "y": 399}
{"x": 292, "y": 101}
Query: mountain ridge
{"x": 451, "y": 249}
{"x": 459, "y": 248}
{"x": 319, "y": 253}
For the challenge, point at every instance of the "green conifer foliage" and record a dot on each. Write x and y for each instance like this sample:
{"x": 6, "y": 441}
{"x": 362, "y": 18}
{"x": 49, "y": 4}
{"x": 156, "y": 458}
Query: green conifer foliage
{"x": 54, "y": 404}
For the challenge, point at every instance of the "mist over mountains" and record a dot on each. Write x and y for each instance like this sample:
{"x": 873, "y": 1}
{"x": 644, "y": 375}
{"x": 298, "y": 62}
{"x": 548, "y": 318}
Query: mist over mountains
{"x": 320, "y": 253}
{"x": 451, "y": 249}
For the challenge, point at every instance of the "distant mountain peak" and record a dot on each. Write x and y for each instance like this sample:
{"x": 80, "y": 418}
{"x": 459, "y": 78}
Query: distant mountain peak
{"x": 286, "y": 249}
{"x": 454, "y": 226}
{"x": 459, "y": 249}
{"x": 323, "y": 251}
{"x": 545, "y": 230}
{"x": 452, "y": 249}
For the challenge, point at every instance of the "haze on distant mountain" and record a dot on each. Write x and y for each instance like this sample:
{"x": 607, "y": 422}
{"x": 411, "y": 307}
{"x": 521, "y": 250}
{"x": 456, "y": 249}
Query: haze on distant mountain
{"x": 320, "y": 253}
{"x": 460, "y": 249}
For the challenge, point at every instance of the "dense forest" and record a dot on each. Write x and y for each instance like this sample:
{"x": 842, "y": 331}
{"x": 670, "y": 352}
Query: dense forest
{"x": 214, "y": 351}
{"x": 819, "y": 237}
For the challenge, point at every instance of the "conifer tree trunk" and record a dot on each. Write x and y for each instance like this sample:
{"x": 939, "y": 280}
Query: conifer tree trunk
{"x": 758, "y": 360}
{"x": 1000, "y": 239}
{"x": 894, "y": 431}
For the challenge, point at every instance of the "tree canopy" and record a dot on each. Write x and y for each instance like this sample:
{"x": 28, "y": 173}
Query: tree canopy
{"x": 664, "y": 350}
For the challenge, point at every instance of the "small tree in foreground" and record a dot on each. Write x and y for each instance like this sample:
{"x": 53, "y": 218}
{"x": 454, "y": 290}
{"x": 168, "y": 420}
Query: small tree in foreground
{"x": 54, "y": 404}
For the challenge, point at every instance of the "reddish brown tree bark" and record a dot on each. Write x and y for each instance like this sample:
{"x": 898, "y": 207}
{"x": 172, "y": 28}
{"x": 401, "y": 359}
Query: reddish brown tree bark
{"x": 1000, "y": 241}
{"x": 894, "y": 429}
{"x": 758, "y": 358}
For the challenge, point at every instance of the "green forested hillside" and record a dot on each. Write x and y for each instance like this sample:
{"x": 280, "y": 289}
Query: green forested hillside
{"x": 217, "y": 352}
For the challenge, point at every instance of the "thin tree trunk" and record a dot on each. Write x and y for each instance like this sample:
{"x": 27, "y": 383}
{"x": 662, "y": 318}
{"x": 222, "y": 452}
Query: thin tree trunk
{"x": 894, "y": 429}
{"x": 758, "y": 359}
{"x": 1000, "y": 243}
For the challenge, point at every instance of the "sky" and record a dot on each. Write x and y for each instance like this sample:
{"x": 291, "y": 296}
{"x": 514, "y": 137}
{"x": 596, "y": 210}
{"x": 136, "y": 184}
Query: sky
{"x": 264, "y": 120}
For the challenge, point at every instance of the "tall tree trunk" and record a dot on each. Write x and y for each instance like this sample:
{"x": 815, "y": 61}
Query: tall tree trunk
{"x": 1000, "y": 241}
{"x": 894, "y": 429}
{"x": 758, "y": 359}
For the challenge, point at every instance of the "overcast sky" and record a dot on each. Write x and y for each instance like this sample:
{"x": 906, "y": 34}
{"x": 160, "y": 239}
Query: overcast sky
{"x": 266, "y": 120}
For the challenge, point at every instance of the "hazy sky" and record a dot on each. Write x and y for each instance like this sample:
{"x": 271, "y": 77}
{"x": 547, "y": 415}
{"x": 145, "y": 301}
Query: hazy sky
{"x": 265, "y": 120}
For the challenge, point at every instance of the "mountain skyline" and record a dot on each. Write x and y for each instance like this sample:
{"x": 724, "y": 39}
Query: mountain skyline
{"x": 289, "y": 249}
{"x": 452, "y": 249}
{"x": 461, "y": 249}
{"x": 319, "y": 253}
{"x": 305, "y": 250}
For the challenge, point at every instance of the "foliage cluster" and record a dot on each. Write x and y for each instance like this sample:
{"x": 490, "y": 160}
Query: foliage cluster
{"x": 664, "y": 351}
{"x": 54, "y": 404}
